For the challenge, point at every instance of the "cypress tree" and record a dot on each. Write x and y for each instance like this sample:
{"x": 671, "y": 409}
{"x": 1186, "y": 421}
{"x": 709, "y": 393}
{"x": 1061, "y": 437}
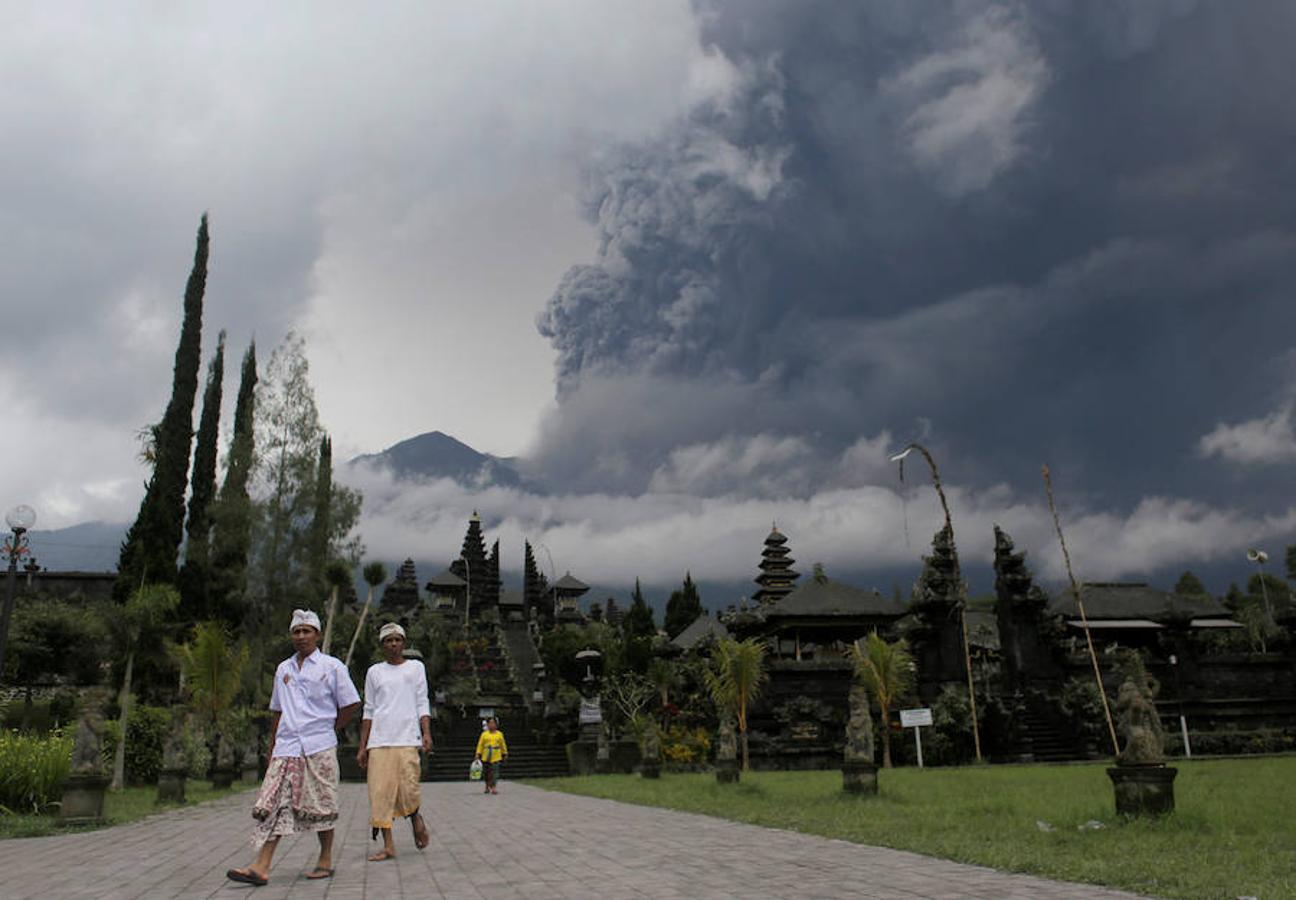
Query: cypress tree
{"x": 195, "y": 575}
{"x": 639, "y": 619}
{"x": 232, "y": 512}
{"x": 683, "y": 607}
{"x": 320, "y": 522}
{"x": 149, "y": 551}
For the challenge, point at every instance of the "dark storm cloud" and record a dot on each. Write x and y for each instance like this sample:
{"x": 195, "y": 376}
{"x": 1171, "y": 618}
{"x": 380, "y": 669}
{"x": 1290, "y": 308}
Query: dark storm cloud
{"x": 1057, "y": 231}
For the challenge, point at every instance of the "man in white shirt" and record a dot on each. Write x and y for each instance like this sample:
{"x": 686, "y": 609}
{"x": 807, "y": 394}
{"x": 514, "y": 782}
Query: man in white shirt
{"x": 396, "y": 725}
{"x": 313, "y": 698}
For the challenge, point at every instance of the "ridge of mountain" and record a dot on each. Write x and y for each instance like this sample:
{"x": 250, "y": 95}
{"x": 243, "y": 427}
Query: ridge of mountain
{"x": 435, "y": 454}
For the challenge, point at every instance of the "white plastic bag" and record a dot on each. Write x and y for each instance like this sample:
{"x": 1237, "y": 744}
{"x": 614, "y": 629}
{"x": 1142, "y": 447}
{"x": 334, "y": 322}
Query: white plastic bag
{"x": 475, "y": 770}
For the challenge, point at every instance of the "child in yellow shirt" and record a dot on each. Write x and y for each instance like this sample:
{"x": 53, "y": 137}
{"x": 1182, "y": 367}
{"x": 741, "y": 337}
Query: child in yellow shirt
{"x": 491, "y": 750}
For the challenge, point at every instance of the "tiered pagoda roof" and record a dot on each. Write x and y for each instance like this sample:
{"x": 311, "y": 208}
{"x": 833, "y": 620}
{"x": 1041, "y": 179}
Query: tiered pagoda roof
{"x": 777, "y": 577}
{"x": 402, "y": 593}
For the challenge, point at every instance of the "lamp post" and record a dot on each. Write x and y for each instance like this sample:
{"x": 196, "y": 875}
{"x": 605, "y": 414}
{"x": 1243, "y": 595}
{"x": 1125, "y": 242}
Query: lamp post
{"x": 1183, "y": 721}
{"x": 958, "y": 579}
{"x": 1259, "y": 557}
{"x": 20, "y": 519}
{"x": 467, "y": 589}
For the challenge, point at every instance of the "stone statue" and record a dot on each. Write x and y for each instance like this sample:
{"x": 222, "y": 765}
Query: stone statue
{"x": 87, "y": 746}
{"x": 859, "y": 730}
{"x": 651, "y": 743}
{"x": 224, "y": 754}
{"x": 726, "y": 739}
{"x": 1137, "y": 719}
{"x": 175, "y": 756}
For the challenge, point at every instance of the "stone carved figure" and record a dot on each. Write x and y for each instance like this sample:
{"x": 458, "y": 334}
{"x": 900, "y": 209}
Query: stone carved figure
{"x": 175, "y": 756}
{"x": 87, "y": 746}
{"x": 1136, "y": 715}
{"x": 727, "y": 739}
{"x": 651, "y": 744}
{"x": 859, "y": 729}
{"x": 224, "y": 754}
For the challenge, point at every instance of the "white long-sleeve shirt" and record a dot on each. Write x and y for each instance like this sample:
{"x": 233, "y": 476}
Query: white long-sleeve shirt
{"x": 395, "y": 698}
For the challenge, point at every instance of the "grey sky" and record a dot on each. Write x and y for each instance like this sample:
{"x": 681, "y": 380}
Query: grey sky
{"x": 766, "y": 243}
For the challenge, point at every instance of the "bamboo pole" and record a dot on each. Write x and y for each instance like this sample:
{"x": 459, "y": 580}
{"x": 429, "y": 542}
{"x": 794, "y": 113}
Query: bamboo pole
{"x": 1084, "y": 619}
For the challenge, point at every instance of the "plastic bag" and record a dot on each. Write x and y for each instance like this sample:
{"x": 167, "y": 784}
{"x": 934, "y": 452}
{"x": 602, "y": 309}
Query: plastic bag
{"x": 475, "y": 770}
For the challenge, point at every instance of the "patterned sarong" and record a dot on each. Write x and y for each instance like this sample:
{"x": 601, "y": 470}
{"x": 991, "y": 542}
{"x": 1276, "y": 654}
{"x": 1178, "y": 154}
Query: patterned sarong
{"x": 393, "y": 784}
{"x": 299, "y": 794}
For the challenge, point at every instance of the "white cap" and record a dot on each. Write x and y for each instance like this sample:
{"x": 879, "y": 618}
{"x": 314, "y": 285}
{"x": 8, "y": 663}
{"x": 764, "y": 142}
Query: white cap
{"x": 390, "y": 628}
{"x": 304, "y": 617}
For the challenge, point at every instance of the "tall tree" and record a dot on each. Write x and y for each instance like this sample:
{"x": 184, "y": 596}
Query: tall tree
{"x": 683, "y": 607}
{"x": 319, "y": 529}
{"x": 195, "y": 575}
{"x": 232, "y": 512}
{"x": 734, "y": 681}
{"x": 639, "y": 618}
{"x": 887, "y": 670}
{"x": 149, "y": 550}
{"x": 1189, "y": 585}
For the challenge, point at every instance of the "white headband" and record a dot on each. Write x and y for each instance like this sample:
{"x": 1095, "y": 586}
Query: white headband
{"x": 390, "y": 628}
{"x": 304, "y": 617}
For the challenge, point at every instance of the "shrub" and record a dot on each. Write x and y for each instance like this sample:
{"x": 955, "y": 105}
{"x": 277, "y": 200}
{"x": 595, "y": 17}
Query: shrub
{"x": 32, "y": 769}
{"x": 1233, "y": 743}
{"x": 949, "y": 740}
{"x": 146, "y": 732}
{"x": 1082, "y": 707}
{"x": 685, "y": 748}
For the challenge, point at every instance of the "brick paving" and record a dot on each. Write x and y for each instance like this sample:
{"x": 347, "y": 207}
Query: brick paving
{"x": 524, "y": 843}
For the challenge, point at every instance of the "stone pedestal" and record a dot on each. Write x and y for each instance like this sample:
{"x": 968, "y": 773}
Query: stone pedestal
{"x": 222, "y": 778}
{"x": 859, "y": 777}
{"x": 650, "y": 768}
{"x": 1143, "y": 790}
{"x": 251, "y": 774}
{"x": 171, "y": 786}
{"x": 83, "y": 800}
{"x": 582, "y": 757}
{"x": 727, "y": 771}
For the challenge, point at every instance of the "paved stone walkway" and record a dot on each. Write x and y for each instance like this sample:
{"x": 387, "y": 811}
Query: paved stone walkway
{"x": 523, "y": 843}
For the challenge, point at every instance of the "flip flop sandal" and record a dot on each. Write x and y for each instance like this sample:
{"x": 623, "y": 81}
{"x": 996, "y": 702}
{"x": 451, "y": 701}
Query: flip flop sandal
{"x": 328, "y": 873}
{"x": 248, "y": 877}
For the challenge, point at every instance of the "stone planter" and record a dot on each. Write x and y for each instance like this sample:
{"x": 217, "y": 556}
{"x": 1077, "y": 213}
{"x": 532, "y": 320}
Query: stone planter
{"x": 251, "y": 774}
{"x": 222, "y": 778}
{"x": 1143, "y": 790}
{"x": 582, "y": 757}
{"x": 83, "y": 800}
{"x": 727, "y": 771}
{"x": 171, "y": 786}
{"x": 859, "y": 777}
{"x": 650, "y": 768}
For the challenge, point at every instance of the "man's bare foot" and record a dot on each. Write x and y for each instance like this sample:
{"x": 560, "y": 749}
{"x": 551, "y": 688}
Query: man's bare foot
{"x": 381, "y": 855}
{"x": 320, "y": 872}
{"x": 421, "y": 838}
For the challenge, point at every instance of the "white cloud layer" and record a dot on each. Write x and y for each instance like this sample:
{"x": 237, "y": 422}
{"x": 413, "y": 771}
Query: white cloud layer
{"x": 1268, "y": 439}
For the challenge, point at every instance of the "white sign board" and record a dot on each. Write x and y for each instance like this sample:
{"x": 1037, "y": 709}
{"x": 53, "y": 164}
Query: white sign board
{"x": 912, "y": 718}
{"x": 591, "y": 712}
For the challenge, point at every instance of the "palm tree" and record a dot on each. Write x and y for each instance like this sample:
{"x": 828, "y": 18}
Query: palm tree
{"x": 887, "y": 670}
{"x": 213, "y": 670}
{"x": 375, "y": 573}
{"x": 734, "y": 680}
{"x": 337, "y": 574}
{"x": 664, "y": 676}
{"x": 146, "y": 609}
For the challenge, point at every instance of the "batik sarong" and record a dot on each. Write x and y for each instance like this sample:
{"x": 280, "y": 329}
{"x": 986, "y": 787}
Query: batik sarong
{"x": 393, "y": 784}
{"x": 299, "y": 794}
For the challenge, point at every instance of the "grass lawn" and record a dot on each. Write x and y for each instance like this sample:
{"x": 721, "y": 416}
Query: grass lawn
{"x": 119, "y": 807}
{"x": 1233, "y": 834}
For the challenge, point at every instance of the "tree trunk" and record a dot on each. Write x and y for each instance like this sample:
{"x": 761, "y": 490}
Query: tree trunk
{"x": 886, "y": 737}
{"x": 742, "y": 732}
{"x": 328, "y": 628}
{"x": 119, "y": 756}
{"x": 364, "y": 612}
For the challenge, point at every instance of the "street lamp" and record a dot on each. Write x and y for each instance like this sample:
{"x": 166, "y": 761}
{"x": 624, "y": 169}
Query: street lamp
{"x": 467, "y": 588}
{"x": 958, "y": 579}
{"x": 1259, "y": 557}
{"x": 20, "y": 519}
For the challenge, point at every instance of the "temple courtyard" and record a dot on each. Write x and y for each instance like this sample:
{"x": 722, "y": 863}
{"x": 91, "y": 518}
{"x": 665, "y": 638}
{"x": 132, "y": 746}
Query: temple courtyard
{"x": 526, "y": 843}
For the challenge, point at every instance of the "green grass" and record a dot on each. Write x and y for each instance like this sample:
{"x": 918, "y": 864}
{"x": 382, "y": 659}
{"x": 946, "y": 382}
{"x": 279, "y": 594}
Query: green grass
{"x": 120, "y": 807}
{"x": 1233, "y": 834}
